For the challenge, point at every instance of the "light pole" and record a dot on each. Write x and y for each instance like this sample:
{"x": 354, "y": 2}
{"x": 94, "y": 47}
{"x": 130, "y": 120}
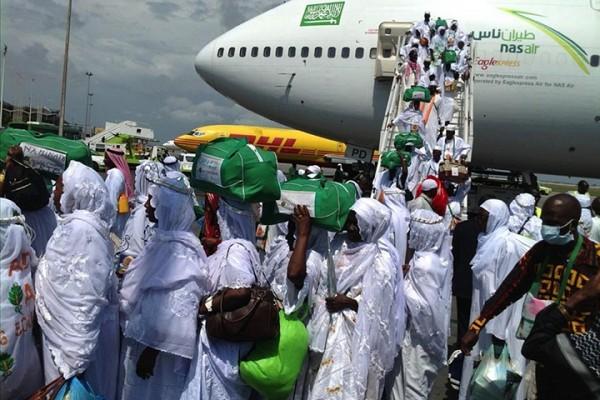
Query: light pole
{"x": 63, "y": 88}
{"x": 87, "y": 103}
{"x": 90, "y": 112}
{"x": 2, "y": 84}
{"x": 31, "y": 96}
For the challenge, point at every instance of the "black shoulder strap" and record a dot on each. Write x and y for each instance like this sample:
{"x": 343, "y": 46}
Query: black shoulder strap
{"x": 524, "y": 223}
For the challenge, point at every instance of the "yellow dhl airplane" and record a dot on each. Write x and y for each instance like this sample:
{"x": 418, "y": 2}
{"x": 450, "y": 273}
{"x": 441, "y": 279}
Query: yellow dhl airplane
{"x": 291, "y": 146}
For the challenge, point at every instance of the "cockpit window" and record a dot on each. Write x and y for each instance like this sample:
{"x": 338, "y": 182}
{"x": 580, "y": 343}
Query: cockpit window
{"x": 318, "y": 52}
{"x": 345, "y": 52}
{"x": 304, "y": 52}
{"x": 242, "y": 52}
{"x": 267, "y": 52}
{"x": 197, "y": 133}
{"x": 220, "y": 52}
{"x": 231, "y": 52}
{"x": 331, "y": 52}
{"x": 359, "y": 52}
{"x": 278, "y": 51}
{"x": 291, "y": 52}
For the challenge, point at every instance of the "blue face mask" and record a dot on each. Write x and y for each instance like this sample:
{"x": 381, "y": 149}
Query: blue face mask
{"x": 551, "y": 234}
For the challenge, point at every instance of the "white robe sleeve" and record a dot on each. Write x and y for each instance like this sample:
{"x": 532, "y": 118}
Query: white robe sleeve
{"x": 166, "y": 320}
{"x": 293, "y": 297}
{"x": 115, "y": 182}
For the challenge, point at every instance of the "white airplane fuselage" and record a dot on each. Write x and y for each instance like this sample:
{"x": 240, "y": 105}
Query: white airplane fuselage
{"x": 537, "y": 82}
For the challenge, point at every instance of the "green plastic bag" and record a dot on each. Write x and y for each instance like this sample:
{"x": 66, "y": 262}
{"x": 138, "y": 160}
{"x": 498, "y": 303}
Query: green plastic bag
{"x": 449, "y": 56}
{"x": 495, "y": 378}
{"x": 45, "y": 152}
{"x": 403, "y": 138}
{"x": 273, "y": 366}
{"x": 235, "y": 169}
{"x": 417, "y": 93}
{"x": 328, "y": 202}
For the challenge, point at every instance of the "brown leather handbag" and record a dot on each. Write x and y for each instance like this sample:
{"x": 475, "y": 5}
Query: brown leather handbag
{"x": 49, "y": 391}
{"x": 257, "y": 320}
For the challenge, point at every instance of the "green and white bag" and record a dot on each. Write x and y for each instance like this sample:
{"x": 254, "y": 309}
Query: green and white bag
{"x": 328, "y": 202}
{"x": 417, "y": 93}
{"x": 235, "y": 169}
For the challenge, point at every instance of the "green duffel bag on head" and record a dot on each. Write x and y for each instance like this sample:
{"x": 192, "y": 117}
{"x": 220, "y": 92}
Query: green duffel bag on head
{"x": 440, "y": 22}
{"x": 404, "y": 138}
{"x": 235, "y": 169}
{"x": 272, "y": 366}
{"x": 449, "y": 56}
{"x": 391, "y": 159}
{"x": 417, "y": 93}
{"x": 328, "y": 202}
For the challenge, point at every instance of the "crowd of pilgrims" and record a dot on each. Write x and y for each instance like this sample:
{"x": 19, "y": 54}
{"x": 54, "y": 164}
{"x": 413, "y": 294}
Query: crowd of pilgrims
{"x": 122, "y": 299}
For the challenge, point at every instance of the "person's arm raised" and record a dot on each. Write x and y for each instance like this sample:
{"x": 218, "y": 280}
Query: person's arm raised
{"x": 296, "y": 271}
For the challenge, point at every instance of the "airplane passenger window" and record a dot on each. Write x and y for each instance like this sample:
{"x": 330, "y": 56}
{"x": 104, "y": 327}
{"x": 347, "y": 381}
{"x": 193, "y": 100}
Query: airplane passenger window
{"x": 231, "y": 52}
{"x": 595, "y": 60}
{"x": 242, "y": 52}
{"x": 254, "y": 52}
{"x": 345, "y": 52}
{"x": 278, "y": 51}
{"x": 220, "y": 52}
{"x": 318, "y": 52}
{"x": 304, "y": 52}
{"x": 359, "y": 52}
{"x": 331, "y": 52}
{"x": 267, "y": 52}
{"x": 291, "y": 52}
{"x": 373, "y": 52}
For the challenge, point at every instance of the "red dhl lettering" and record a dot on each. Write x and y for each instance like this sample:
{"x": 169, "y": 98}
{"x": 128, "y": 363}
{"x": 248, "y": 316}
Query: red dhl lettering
{"x": 271, "y": 143}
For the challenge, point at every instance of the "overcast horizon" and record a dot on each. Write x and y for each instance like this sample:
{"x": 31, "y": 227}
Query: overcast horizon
{"x": 141, "y": 54}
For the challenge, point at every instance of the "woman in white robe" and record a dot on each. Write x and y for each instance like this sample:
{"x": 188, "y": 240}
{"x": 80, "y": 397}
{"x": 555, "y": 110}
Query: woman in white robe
{"x": 498, "y": 251}
{"x": 138, "y": 229}
{"x": 214, "y": 372}
{"x": 20, "y": 364}
{"x": 522, "y": 219}
{"x": 428, "y": 298}
{"x": 352, "y": 327}
{"x": 76, "y": 285}
{"x": 160, "y": 295}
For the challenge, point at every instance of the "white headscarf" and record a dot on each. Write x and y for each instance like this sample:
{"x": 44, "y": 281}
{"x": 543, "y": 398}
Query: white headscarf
{"x": 75, "y": 278}
{"x": 17, "y": 304}
{"x": 170, "y": 275}
{"x": 522, "y": 220}
{"x": 138, "y": 229}
{"x": 236, "y": 220}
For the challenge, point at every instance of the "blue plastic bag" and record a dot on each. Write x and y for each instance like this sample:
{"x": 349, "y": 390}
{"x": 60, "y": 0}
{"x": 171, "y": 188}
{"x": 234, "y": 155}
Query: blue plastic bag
{"x": 76, "y": 389}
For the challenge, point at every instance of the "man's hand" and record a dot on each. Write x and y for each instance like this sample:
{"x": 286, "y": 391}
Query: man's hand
{"x": 146, "y": 362}
{"x": 340, "y": 302}
{"x": 468, "y": 341}
{"x": 301, "y": 218}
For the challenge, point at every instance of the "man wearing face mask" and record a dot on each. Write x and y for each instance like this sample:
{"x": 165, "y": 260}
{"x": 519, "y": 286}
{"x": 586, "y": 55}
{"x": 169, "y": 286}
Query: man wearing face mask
{"x": 562, "y": 248}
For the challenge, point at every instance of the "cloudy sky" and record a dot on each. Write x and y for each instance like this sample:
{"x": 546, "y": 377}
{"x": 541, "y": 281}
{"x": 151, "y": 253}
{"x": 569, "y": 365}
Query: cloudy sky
{"x": 141, "y": 53}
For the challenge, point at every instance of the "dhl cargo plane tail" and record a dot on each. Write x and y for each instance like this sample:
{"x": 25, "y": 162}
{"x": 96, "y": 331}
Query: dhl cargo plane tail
{"x": 291, "y": 146}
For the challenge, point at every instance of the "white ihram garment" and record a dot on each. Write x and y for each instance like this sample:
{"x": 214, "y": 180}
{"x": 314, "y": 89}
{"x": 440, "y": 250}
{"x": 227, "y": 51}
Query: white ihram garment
{"x": 214, "y": 371}
{"x": 428, "y": 298}
{"x": 498, "y": 251}
{"x": 20, "y": 369}
{"x": 356, "y": 345}
{"x": 236, "y": 220}
{"x": 160, "y": 296}
{"x": 522, "y": 219}
{"x": 76, "y": 301}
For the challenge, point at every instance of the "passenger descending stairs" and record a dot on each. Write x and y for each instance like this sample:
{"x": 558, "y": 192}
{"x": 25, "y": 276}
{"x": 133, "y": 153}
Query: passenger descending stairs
{"x": 461, "y": 118}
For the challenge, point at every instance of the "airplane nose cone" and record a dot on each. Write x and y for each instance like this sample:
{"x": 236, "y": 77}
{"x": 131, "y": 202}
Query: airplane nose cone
{"x": 203, "y": 62}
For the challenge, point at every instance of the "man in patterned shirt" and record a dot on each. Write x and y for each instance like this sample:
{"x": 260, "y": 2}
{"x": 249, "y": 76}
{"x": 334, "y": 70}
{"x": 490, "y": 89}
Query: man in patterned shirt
{"x": 560, "y": 216}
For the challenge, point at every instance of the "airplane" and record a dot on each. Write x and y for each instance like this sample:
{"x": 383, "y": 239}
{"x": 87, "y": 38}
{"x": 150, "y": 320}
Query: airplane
{"x": 291, "y": 146}
{"x": 311, "y": 66}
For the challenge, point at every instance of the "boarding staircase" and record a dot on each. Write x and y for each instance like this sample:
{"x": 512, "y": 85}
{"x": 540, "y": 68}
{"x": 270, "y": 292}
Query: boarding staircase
{"x": 130, "y": 127}
{"x": 463, "y": 106}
